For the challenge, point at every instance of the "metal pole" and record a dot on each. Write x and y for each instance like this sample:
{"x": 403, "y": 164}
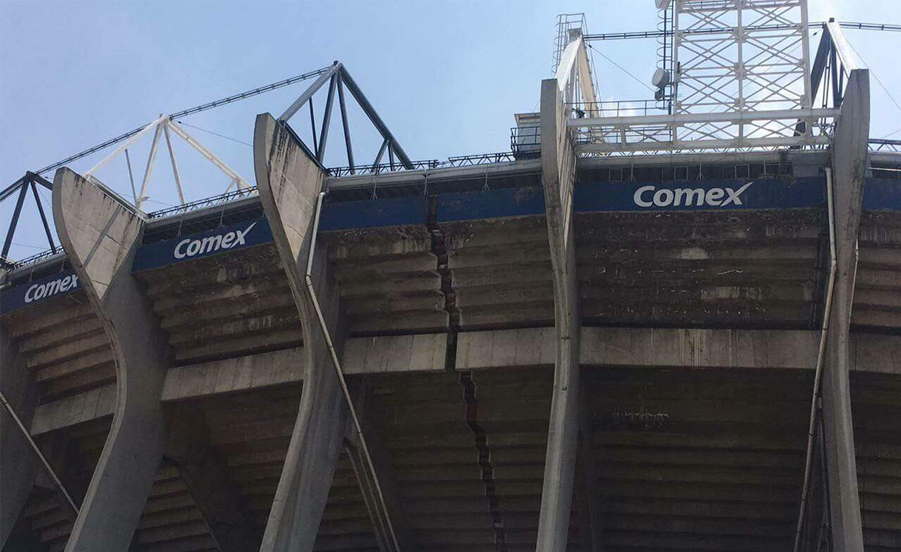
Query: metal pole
{"x": 131, "y": 177}
{"x": 181, "y": 194}
{"x": 821, "y": 355}
{"x": 340, "y": 373}
{"x": 37, "y": 200}
{"x": 39, "y": 454}
{"x": 326, "y": 119}
{"x": 149, "y": 169}
{"x": 346, "y": 124}
{"x": 313, "y": 128}
{"x": 15, "y": 220}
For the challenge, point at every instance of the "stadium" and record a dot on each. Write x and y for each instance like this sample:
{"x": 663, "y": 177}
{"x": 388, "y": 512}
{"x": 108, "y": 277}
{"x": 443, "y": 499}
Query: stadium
{"x": 672, "y": 324}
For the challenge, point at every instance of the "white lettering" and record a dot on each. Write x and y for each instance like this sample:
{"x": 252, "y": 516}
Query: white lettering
{"x": 179, "y": 255}
{"x": 715, "y": 196}
{"x": 734, "y": 195}
{"x": 663, "y": 197}
{"x": 688, "y": 197}
{"x": 211, "y": 244}
{"x": 689, "y": 194}
{"x": 41, "y": 291}
{"x": 637, "y": 197}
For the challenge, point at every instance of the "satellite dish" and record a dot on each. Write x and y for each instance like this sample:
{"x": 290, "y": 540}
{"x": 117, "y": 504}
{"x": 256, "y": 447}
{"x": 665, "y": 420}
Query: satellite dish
{"x": 661, "y": 78}
{"x": 662, "y": 4}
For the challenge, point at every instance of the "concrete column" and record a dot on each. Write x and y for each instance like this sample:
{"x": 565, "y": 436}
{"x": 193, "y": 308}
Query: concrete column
{"x": 100, "y": 233}
{"x": 587, "y": 485}
{"x": 18, "y": 464}
{"x": 289, "y": 183}
{"x": 558, "y": 164}
{"x": 849, "y": 163}
{"x": 203, "y": 471}
{"x": 381, "y": 459}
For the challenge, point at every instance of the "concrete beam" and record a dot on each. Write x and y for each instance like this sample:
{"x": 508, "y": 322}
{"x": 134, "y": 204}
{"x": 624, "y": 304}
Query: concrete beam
{"x": 84, "y": 407}
{"x": 204, "y": 472}
{"x": 289, "y": 183}
{"x": 100, "y": 234}
{"x": 558, "y": 168}
{"x": 20, "y": 465}
{"x": 234, "y": 374}
{"x": 485, "y": 350}
{"x": 849, "y": 165}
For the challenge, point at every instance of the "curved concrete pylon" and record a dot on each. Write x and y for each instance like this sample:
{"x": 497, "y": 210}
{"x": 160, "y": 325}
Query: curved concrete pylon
{"x": 289, "y": 183}
{"x": 100, "y": 233}
{"x": 849, "y": 164}
{"x": 558, "y": 165}
{"x": 18, "y": 464}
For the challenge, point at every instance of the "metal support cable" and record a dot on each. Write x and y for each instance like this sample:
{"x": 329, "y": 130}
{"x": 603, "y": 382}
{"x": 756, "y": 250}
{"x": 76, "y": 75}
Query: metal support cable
{"x": 626, "y": 71}
{"x": 39, "y": 454}
{"x": 189, "y": 111}
{"x": 717, "y": 30}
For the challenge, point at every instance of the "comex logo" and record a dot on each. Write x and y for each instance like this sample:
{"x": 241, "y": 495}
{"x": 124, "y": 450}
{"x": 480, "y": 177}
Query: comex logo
{"x": 43, "y": 291}
{"x": 687, "y": 197}
{"x": 192, "y": 247}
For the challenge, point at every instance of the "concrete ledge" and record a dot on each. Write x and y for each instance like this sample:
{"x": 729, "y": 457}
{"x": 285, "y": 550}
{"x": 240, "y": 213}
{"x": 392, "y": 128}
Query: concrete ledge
{"x": 494, "y": 349}
{"x": 234, "y": 374}
{"x": 876, "y": 353}
{"x": 531, "y": 347}
{"x": 698, "y": 348}
{"x": 403, "y": 353}
{"x": 70, "y": 411}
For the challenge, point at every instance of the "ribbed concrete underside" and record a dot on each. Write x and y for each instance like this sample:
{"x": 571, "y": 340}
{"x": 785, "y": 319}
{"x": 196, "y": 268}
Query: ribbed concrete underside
{"x": 686, "y": 457}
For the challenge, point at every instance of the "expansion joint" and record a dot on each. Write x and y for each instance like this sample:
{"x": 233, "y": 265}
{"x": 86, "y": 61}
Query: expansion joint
{"x": 470, "y": 396}
{"x": 439, "y": 249}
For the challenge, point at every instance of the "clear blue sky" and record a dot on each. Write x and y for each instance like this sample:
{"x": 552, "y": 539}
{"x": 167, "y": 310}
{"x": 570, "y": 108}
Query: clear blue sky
{"x": 447, "y": 76}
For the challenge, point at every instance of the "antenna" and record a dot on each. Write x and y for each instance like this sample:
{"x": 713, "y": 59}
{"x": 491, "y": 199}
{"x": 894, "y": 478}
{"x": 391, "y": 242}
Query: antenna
{"x": 731, "y": 75}
{"x": 663, "y": 76}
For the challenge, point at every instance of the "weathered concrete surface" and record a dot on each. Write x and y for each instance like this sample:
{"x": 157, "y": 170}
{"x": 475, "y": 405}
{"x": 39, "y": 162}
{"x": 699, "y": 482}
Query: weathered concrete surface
{"x": 18, "y": 464}
{"x": 289, "y": 184}
{"x": 639, "y": 347}
{"x": 203, "y": 471}
{"x": 76, "y": 409}
{"x": 99, "y": 233}
{"x": 849, "y": 165}
{"x": 234, "y": 374}
{"x": 399, "y": 527}
{"x": 558, "y": 164}
{"x": 402, "y": 353}
{"x": 700, "y": 348}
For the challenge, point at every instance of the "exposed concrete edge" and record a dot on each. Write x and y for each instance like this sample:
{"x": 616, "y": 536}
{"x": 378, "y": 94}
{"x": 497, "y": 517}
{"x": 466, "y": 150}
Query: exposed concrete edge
{"x": 700, "y": 348}
{"x": 100, "y": 234}
{"x": 289, "y": 184}
{"x": 20, "y": 466}
{"x": 850, "y": 149}
{"x": 495, "y": 349}
{"x": 558, "y": 166}
{"x": 234, "y": 374}
{"x": 84, "y": 407}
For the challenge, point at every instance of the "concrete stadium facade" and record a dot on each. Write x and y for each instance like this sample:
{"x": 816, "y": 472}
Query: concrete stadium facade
{"x": 543, "y": 355}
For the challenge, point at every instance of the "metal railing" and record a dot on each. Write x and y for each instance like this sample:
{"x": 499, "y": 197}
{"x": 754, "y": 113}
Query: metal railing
{"x": 429, "y": 164}
{"x": 625, "y": 108}
{"x": 203, "y": 203}
{"x": 37, "y": 257}
{"x": 877, "y": 144}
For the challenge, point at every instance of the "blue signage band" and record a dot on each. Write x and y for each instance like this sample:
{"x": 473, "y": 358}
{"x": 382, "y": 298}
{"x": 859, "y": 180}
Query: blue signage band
{"x": 49, "y": 287}
{"x": 203, "y": 244}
